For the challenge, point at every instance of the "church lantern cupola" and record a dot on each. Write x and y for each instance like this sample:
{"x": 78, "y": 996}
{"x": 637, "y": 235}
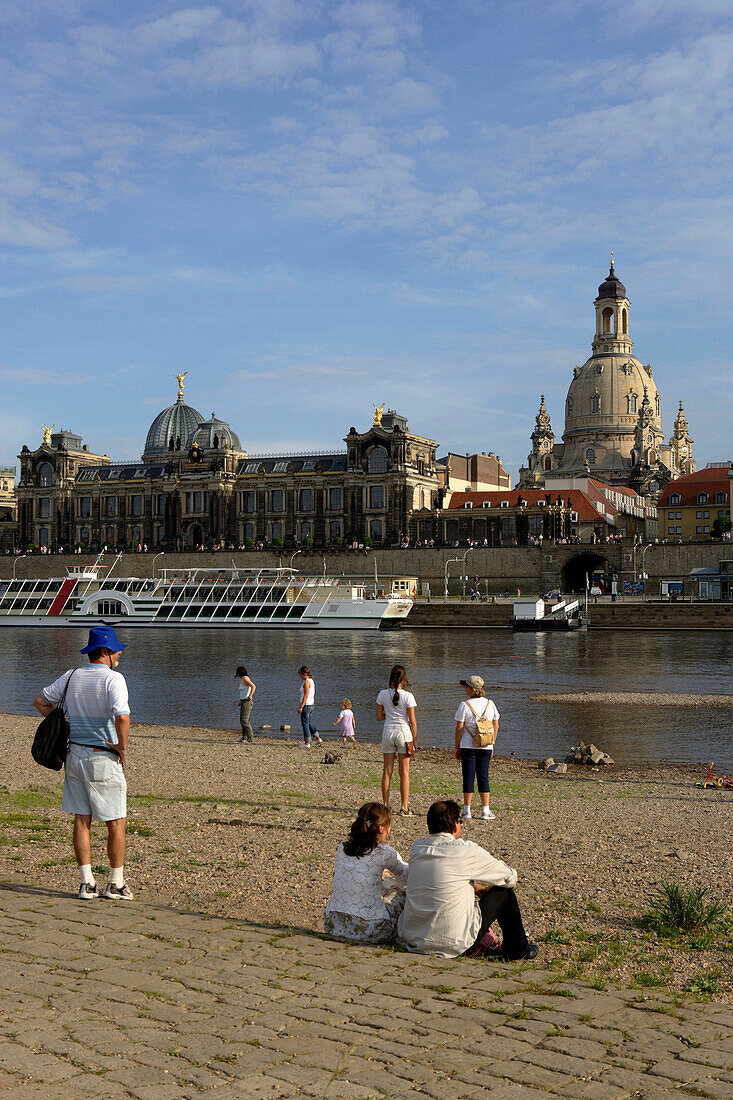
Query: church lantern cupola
{"x": 612, "y": 316}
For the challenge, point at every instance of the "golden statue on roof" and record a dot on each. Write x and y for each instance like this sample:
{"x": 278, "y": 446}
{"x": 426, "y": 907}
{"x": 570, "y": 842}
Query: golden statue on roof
{"x": 378, "y": 410}
{"x": 179, "y": 378}
{"x": 47, "y": 434}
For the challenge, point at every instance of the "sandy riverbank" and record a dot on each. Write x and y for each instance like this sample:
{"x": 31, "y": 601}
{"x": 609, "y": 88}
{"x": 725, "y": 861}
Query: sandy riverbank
{"x": 634, "y": 698}
{"x": 251, "y": 831}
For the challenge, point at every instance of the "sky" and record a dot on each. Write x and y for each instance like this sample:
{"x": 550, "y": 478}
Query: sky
{"x": 313, "y": 207}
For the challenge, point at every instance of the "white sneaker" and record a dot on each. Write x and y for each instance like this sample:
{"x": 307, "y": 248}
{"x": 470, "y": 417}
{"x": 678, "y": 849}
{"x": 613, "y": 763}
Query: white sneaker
{"x": 465, "y": 814}
{"x": 486, "y": 814}
{"x": 118, "y": 893}
{"x": 88, "y": 891}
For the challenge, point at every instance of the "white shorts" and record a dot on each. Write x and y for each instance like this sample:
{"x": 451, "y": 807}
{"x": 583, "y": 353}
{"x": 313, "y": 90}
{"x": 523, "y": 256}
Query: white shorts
{"x": 395, "y": 738}
{"x": 94, "y": 784}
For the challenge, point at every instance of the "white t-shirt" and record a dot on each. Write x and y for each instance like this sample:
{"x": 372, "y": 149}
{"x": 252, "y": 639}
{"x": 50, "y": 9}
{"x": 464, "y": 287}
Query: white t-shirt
{"x": 244, "y": 691}
{"x": 308, "y": 692}
{"x": 482, "y": 707}
{"x": 96, "y": 695}
{"x": 395, "y": 714}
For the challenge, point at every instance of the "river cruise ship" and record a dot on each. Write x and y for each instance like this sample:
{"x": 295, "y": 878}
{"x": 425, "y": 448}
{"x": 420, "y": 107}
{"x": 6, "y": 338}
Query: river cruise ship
{"x": 199, "y": 598}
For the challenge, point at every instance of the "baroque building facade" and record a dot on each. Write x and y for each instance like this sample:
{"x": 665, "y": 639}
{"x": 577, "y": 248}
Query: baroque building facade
{"x": 613, "y": 415}
{"x": 196, "y": 486}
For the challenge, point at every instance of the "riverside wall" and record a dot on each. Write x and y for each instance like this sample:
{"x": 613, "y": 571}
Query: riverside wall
{"x": 501, "y": 569}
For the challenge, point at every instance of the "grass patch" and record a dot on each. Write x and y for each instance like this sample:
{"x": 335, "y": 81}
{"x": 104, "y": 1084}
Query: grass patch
{"x": 705, "y": 983}
{"x": 443, "y": 988}
{"x": 139, "y": 828}
{"x": 675, "y": 911}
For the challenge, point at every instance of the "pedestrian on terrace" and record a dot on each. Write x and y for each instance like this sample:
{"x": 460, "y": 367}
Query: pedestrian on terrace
{"x": 396, "y": 708}
{"x": 474, "y": 761}
{"x": 305, "y": 710}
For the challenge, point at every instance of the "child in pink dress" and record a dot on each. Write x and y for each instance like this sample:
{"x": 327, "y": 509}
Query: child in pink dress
{"x": 346, "y": 722}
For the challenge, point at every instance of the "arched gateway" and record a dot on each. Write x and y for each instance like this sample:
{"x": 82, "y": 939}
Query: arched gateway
{"x": 575, "y": 570}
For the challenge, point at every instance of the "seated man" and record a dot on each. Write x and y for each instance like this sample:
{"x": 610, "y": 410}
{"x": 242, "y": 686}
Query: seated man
{"x": 445, "y": 913}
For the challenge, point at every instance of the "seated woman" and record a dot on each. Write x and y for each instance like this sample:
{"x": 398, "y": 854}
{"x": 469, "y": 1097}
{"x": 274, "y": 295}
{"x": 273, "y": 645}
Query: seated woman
{"x": 364, "y": 906}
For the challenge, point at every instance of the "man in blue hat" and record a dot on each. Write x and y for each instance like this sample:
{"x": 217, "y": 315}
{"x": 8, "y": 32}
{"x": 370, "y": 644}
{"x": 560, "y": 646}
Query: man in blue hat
{"x": 95, "y": 788}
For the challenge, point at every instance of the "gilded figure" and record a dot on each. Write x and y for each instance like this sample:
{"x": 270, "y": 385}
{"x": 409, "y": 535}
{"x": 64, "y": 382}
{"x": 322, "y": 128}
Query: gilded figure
{"x": 180, "y": 378}
{"x": 378, "y": 410}
{"x": 47, "y": 434}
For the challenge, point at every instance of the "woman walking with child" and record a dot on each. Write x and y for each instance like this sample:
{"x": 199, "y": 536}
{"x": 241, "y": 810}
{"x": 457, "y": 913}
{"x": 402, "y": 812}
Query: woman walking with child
{"x": 307, "y": 699}
{"x": 477, "y": 725}
{"x": 396, "y": 708}
{"x": 364, "y": 906}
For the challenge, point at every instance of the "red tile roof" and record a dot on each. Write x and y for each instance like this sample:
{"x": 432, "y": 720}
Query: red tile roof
{"x": 711, "y": 480}
{"x": 589, "y": 509}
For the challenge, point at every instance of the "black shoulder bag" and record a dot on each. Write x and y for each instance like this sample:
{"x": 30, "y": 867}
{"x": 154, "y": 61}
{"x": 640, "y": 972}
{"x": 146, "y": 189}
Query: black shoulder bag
{"x": 51, "y": 742}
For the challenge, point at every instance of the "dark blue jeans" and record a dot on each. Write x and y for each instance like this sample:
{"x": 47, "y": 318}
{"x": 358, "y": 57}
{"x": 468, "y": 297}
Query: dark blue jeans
{"x": 309, "y": 730}
{"x": 475, "y": 763}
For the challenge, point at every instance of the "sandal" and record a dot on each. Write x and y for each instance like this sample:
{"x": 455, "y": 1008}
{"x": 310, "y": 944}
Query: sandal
{"x": 406, "y": 813}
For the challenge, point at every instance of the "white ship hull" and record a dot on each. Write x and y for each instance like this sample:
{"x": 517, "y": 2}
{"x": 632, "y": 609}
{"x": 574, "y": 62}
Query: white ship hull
{"x": 274, "y": 599}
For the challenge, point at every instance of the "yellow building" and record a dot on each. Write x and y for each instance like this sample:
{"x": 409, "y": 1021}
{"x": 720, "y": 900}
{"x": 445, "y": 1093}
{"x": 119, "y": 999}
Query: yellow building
{"x": 689, "y": 506}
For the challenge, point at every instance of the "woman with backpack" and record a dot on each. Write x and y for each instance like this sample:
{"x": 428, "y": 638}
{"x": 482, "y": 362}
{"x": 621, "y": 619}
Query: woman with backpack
{"x": 477, "y": 725}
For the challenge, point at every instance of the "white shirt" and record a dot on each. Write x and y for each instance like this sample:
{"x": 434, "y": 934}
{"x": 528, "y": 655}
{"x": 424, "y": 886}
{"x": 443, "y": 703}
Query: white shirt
{"x": 395, "y": 714}
{"x": 309, "y": 692}
{"x": 357, "y": 881}
{"x": 244, "y": 691}
{"x": 482, "y": 707}
{"x": 96, "y": 695}
{"x": 441, "y": 914}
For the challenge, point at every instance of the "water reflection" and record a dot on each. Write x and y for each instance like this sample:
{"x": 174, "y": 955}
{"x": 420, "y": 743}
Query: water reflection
{"x": 187, "y": 677}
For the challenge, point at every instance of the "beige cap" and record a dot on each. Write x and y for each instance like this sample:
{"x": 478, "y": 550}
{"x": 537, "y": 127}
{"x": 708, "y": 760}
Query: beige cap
{"x": 474, "y": 682}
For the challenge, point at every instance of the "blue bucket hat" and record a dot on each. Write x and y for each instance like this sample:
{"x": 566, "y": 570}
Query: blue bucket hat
{"x": 103, "y": 637}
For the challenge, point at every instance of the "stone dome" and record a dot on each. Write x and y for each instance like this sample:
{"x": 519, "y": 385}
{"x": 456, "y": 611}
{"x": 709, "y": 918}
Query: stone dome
{"x": 214, "y": 433}
{"x": 602, "y": 410}
{"x": 612, "y": 287}
{"x": 178, "y": 421}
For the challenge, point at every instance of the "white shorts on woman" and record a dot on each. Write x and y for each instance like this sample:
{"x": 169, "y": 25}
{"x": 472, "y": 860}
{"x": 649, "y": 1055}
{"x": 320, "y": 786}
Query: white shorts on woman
{"x": 395, "y": 739}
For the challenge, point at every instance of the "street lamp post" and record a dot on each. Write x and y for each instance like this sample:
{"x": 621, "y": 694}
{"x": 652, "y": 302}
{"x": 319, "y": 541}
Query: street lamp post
{"x": 160, "y": 555}
{"x": 448, "y": 562}
{"x": 463, "y": 571}
{"x": 17, "y": 559}
{"x": 643, "y": 573}
{"x": 294, "y": 556}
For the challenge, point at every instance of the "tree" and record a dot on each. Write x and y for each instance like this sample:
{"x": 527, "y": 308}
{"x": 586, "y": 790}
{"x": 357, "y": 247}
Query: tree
{"x": 721, "y": 526}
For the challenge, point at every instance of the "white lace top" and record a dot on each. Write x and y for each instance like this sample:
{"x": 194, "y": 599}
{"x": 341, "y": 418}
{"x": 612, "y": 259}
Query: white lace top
{"x": 357, "y": 881}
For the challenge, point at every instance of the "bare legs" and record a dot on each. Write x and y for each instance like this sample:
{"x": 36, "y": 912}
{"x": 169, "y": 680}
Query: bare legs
{"x": 403, "y": 765}
{"x": 115, "y": 840}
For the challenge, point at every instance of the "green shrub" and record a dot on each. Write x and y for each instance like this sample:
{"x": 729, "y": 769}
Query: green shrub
{"x": 674, "y": 911}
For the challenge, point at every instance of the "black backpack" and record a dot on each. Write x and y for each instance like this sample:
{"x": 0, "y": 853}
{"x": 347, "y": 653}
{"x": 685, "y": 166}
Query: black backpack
{"x": 51, "y": 742}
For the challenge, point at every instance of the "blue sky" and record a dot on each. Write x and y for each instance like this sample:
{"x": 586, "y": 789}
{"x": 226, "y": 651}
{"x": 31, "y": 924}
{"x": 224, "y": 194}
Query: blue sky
{"x": 313, "y": 206}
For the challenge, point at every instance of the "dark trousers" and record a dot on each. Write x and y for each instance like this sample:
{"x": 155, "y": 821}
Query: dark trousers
{"x": 500, "y": 904}
{"x": 475, "y": 763}
{"x": 245, "y": 709}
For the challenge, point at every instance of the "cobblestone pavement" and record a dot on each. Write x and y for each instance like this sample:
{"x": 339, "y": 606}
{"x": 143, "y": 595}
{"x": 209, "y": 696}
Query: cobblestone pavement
{"x": 132, "y": 1000}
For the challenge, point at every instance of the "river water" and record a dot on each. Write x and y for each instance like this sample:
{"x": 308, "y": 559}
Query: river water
{"x": 187, "y": 678}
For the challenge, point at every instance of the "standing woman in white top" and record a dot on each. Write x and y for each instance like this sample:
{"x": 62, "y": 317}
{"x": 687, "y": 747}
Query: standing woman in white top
{"x": 307, "y": 699}
{"x": 247, "y": 690}
{"x": 474, "y": 762}
{"x": 396, "y": 708}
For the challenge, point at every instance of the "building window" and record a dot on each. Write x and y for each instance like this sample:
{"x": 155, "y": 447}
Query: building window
{"x": 631, "y": 403}
{"x": 706, "y": 514}
{"x": 111, "y": 536}
{"x": 698, "y": 530}
{"x": 335, "y": 499}
{"x": 671, "y": 515}
{"x": 85, "y": 507}
{"x": 306, "y": 500}
{"x": 45, "y": 475}
{"x": 721, "y": 498}
{"x": 249, "y": 501}
{"x": 277, "y": 500}
{"x": 306, "y": 531}
{"x": 334, "y": 529}
{"x": 675, "y": 499}
{"x": 160, "y": 505}
{"x": 200, "y": 501}
{"x": 376, "y": 496}
{"x": 375, "y": 530}
{"x": 377, "y": 461}
{"x": 277, "y": 531}
{"x": 706, "y": 531}
{"x": 702, "y": 498}
{"x": 698, "y": 515}
{"x": 595, "y": 403}
{"x": 136, "y": 535}
{"x": 160, "y": 534}
{"x": 43, "y": 538}
{"x": 678, "y": 515}
{"x": 679, "y": 531}
{"x": 249, "y": 531}
{"x": 84, "y": 535}
{"x": 670, "y": 530}
{"x": 137, "y": 505}
{"x": 44, "y": 508}
{"x": 590, "y": 456}
{"x": 110, "y": 506}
